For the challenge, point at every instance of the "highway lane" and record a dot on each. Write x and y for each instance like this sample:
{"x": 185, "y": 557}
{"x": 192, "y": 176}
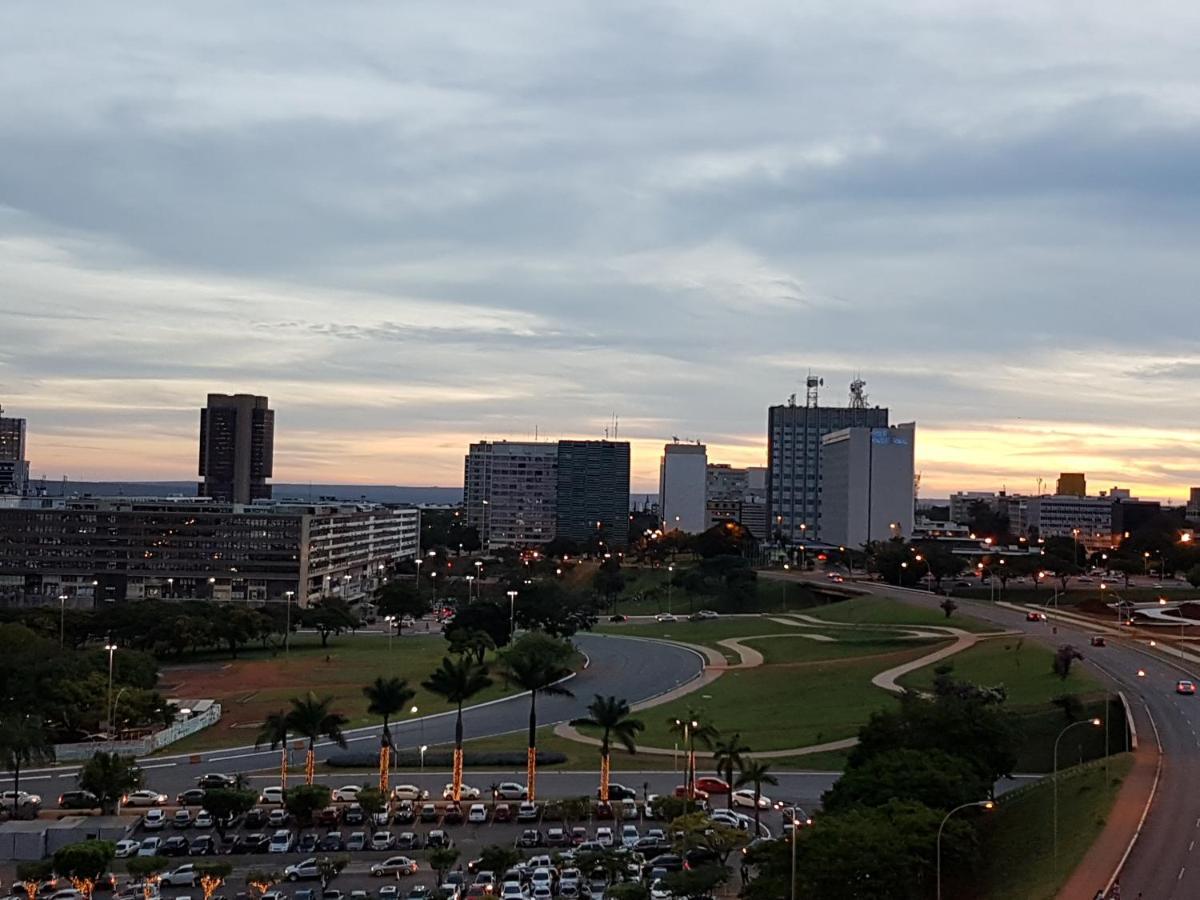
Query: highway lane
{"x": 1165, "y": 861}
{"x": 624, "y": 667}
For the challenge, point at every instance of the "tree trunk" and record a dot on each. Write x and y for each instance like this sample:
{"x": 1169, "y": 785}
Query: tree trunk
{"x": 757, "y": 826}
{"x": 310, "y": 761}
{"x": 729, "y": 784}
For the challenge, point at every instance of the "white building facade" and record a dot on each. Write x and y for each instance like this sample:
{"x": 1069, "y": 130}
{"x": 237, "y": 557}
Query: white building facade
{"x": 683, "y": 487}
{"x": 511, "y": 492}
{"x": 867, "y": 491}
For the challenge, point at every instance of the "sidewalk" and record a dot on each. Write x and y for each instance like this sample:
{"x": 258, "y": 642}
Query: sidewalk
{"x": 1107, "y": 854}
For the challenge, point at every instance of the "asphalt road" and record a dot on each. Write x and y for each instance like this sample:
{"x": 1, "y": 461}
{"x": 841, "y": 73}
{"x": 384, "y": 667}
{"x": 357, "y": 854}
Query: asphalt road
{"x": 1165, "y": 862}
{"x": 621, "y": 666}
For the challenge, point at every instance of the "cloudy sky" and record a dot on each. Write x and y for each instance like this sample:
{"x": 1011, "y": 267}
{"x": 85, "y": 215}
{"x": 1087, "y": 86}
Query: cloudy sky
{"x": 415, "y": 224}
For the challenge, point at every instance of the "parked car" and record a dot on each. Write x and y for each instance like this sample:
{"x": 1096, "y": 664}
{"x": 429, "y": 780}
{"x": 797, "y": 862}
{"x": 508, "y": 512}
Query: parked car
{"x": 272, "y": 794}
{"x": 405, "y": 814}
{"x": 204, "y": 845}
{"x": 357, "y": 841}
{"x": 452, "y": 814}
{"x": 354, "y": 815}
{"x": 329, "y": 816}
{"x": 204, "y": 819}
{"x": 182, "y": 818}
{"x": 149, "y": 846}
{"x": 530, "y": 837}
{"x": 477, "y": 814}
{"x": 277, "y": 818}
{"x": 429, "y": 812}
{"x": 438, "y": 838}
{"x": 511, "y": 790}
{"x": 191, "y": 797}
{"x": 308, "y": 842}
{"x": 394, "y": 865}
{"x": 502, "y": 813}
{"x": 383, "y": 840}
{"x": 347, "y": 793}
{"x": 175, "y": 845}
{"x": 556, "y": 837}
{"x": 528, "y": 812}
{"x": 126, "y": 848}
{"x": 154, "y": 820}
{"x": 407, "y": 840}
{"x": 332, "y": 842}
{"x": 604, "y": 836}
{"x": 184, "y": 876}
{"x": 256, "y": 817}
{"x": 629, "y": 836}
{"x": 281, "y": 842}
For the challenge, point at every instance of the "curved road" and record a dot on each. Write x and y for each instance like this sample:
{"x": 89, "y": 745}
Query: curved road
{"x": 1165, "y": 861}
{"x": 634, "y": 669}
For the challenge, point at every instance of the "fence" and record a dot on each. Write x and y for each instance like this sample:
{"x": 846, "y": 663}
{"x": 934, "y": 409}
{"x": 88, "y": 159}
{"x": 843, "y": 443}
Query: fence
{"x": 156, "y": 741}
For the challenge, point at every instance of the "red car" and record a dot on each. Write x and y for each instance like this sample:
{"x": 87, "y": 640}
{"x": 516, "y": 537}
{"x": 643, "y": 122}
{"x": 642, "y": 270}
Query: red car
{"x": 697, "y": 794}
{"x": 1035, "y": 616}
{"x": 711, "y": 785}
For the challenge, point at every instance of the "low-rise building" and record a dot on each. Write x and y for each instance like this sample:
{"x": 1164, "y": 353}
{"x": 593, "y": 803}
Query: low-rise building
{"x": 1086, "y": 519}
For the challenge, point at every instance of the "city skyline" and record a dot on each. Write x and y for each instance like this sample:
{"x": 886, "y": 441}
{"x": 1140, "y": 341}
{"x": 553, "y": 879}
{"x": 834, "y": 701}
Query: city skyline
{"x": 414, "y": 229}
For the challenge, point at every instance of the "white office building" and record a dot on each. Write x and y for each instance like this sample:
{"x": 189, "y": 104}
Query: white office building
{"x": 682, "y": 487}
{"x": 1086, "y": 519}
{"x": 867, "y": 491}
{"x": 511, "y": 492}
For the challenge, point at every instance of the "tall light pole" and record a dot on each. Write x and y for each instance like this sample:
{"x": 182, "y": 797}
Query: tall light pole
{"x": 512, "y": 614}
{"x": 390, "y": 621}
{"x": 418, "y": 562}
{"x": 670, "y": 579}
{"x": 62, "y": 620}
{"x": 783, "y": 591}
{"x": 796, "y": 823}
{"x": 470, "y": 580}
{"x": 111, "y": 648}
{"x": 1095, "y": 723}
{"x": 287, "y": 634}
{"x": 986, "y": 804}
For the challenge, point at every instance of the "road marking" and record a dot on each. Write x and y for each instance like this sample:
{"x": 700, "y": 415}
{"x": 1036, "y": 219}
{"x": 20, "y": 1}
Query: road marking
{"x": 25, "y": 778}
{"x": 1190, "y": 846}
{"x": 161, "y": 766}
{"x": 1181, "y": 871}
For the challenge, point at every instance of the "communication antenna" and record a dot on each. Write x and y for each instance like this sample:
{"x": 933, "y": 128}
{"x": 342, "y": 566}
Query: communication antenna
{"x": 792, "y": 400}
{"x": 858, "y": 394}
{"x": 812, "y": 384}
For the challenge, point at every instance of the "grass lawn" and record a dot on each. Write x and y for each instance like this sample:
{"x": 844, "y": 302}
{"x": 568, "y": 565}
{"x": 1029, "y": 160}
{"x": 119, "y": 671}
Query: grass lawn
{"x": 779, "y": 707}
{"x": 1078, "y": 593}
{"x": 250, "y": 688}
{"x": 882, "y": 611}
{"x": 703, "y": 633}
{"x": 1016, "y": 847}
{"x": 1023, "y": 667}
{"x": 794, "y": 648}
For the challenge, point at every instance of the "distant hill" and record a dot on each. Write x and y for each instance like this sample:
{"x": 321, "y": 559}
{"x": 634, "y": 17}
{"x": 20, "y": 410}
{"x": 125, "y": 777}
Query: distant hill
{"x": 377, "y": 493}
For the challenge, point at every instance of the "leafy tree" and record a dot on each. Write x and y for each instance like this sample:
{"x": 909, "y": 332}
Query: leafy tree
{"x": 274, "y": 731}
{"x": 940, "y": 562}
{"x": 729, "y": 754}
{"x": 691, "y": 729}
{"x": 608, "y": 580}
{"x": 400, "y": 599}
{"x": 536, "y": 663}
{"x": 372, "y": 801}
{"x": 498, "y": 858}
{"x": 932, "y": 777}
{"x": 262, "y": 880}
{"x": 143, "y": 867}
{"x": 110, "y": 777}
{"x": 330, "y": 616}
{"x": 547, "y": 606}
{"x": 1063, "y": 657}
{"x": 83, "y": 863}
{"x": 212, "y": 875}
{"x": 458, "y": 681}
{"x": 612, "y": 717}
{"x": 1193, "y": 576}
{"x": 723, "y": 539}
{"x": 330, "y": 867}
{"x": 698, "y": 830}
{"x": 312, "y": 719}
{"x": 628, "y": 890}
{"x": 442, "y": 860}
{"x": 487, "y": 616}
{"x": 560, "y": 547}
{"x": 756, "y": 773}
{"x": 225, "y": 803}
{"x": 385, "y": 698}
{"x": 23, "y": 742}
{"x": 304, "y": 800}
{"x": 473, "y": 641}
{"x": 697, "y": 883}
{"x": 1071, "y": 706}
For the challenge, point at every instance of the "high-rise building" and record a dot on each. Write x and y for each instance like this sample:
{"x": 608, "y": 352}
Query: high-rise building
{"x": 593, "y": 491}
{"x": 237, "y": 440}
{"x": 14, "y": 468}
{"x": 867, "y": 484}
{"x": 963, "y": 504}
{"x": 1071, "y": 484}
{"x": 682, "y": 486}
{"x": 1193, "y": 505}
{"x": 794, "y": 457}
{"x": 510, "y": 491}
{"x": 1086, "y": 519}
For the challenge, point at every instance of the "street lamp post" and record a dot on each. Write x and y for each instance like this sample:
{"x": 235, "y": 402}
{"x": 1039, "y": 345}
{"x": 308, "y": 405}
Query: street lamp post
{"x": 111, "y": 648}
{"x": 1095, "y": 723}
{"x": 512, "y": 613}
{"x": 418, "y": 562}
{"x": 62, "y": 620}
{"x": 986, "y": 804}
{"x": 390, "y": 621}
{"x": 670, "y": 580}
{"x": 470, "y": 580}
{"x": 287, "y": 634}
{"x": 783, "y": 591}
{"x": 424, "y": 747}
{"x": 796, "y": 823}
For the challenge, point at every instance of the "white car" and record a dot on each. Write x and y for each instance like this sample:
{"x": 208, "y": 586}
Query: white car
{"x": 541, "y": 892}
{"x": 658, "y": 891}
{"x": 512, "y": 890}
{"x": 149, "y": 846}
{"x": 604, "y": 836}
{"x": 126, "y": 849}
{"x": 409, "y": 792}
{"x": 383, "y": 840}
{"x": 394, "y": 865}
{"x": 629, "y": 836}
{"x": 347, "y": 793}
{"x": 144, "y": 798}
{"x": 746, "y": 798}
{"x": 272, "y": 794}
{"x": 666, "y": 617}
{"x": 281, "y": 842}
{"x": 511, "y": 790}
{"x": 477, "y": 814}
{"x": 204, "y": 819}
{"x": 466, "y": 792}
{"x": 306, "y": 868}
{"x": 184, "y": 876}
{"x": 154, "y": 820}
{"x": 20, "y": 798}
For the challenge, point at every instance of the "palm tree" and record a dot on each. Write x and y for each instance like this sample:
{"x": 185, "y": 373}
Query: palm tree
{"x": 536, "y": 663}
{"x": 110, "y": 776}
{"x": 728, "y": 754}
{"x": 275, "y": 732}
{"x": 756, "y": 773}
{"x": 311, "y": 718}
{"x": 458, "y": 681}
{"x": 23, "y": 742}
{"x": 693, "y": 728}
{"x": 385, "y": 698}
{"x": 611, "y": 716}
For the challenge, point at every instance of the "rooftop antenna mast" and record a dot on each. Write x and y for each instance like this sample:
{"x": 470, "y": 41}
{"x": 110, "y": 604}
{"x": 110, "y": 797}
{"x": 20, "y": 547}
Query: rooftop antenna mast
{"x": 858, "y": 394}
{"x": 812, "y": 385}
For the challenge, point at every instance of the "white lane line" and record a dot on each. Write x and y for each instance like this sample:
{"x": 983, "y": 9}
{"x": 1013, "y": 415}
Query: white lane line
{"x": 161, "y": 766}
{"x": 1190, "y": 846}
{"x": 25, "y": 778}
{"x": 68, "y": 775}
{"x": 1181, "y": 871}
